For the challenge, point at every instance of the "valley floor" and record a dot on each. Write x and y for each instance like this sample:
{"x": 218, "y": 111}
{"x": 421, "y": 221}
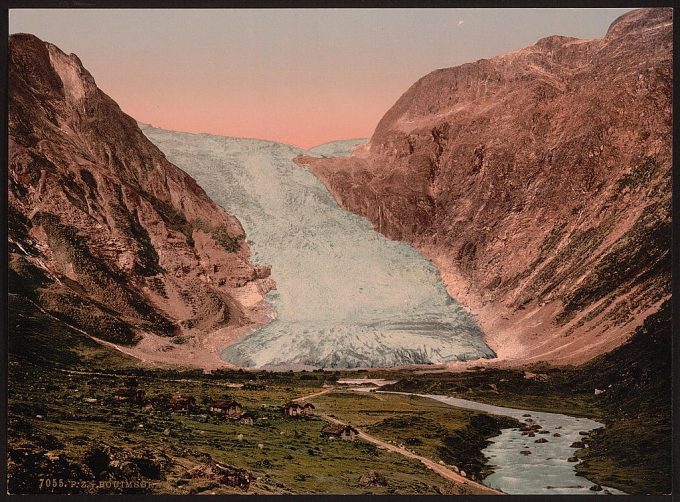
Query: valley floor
{"x": 58, "y": 432}
{"x": 66, "y": 424}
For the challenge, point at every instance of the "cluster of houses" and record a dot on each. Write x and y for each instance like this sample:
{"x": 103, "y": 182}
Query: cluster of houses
{"x": 295, "y": 409}
{"x": 182, "y": 403}
{"x": 331, "y": 431}
{"x": 231, "y": 409}
{"x": 227, "y": 408}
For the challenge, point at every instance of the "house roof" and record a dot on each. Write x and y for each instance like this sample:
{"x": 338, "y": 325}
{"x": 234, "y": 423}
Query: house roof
{"x": 338, "y": 428}
{"x": 224, "y": 403}
{"x": 309, "y": 405}
{"x": 292, "y": 405}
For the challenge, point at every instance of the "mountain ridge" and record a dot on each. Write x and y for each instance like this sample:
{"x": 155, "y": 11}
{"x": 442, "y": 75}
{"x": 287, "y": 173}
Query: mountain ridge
{"x": 510, "y": 173}
{"x": 105, "y": 233}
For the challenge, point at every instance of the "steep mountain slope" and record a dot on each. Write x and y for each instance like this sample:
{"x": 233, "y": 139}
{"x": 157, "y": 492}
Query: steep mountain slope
{"x": 104, "y": 232}
{"x": 539, "y": 182}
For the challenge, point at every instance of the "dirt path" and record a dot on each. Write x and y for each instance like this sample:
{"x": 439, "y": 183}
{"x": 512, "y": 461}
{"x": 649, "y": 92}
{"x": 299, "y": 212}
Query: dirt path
{"x": 442, "y": 470}
{"x": 309, "y": 396}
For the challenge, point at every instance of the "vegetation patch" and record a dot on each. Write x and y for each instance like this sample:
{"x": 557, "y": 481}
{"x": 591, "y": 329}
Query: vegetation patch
{"x": 223, "y": 238}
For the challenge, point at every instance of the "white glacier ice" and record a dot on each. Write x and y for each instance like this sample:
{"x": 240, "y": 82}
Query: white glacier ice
{"x": 346, "y": 296}
{"x": 342, "y": 148}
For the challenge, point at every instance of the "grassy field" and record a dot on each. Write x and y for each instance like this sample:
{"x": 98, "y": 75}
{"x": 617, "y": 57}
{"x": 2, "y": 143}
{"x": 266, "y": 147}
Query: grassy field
{"x": 52, "y": 412}
{"x": 427, "y": 427}
{"x": 64, "y": 425}
{"x": 549, "y": 392}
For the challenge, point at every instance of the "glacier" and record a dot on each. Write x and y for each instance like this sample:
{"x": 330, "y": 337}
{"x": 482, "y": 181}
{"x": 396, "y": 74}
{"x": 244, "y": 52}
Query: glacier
{"x": 346, "y": 297}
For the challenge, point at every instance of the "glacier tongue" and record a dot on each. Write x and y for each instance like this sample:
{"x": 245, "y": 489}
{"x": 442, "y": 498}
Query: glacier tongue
{"x": 346, "y": 296}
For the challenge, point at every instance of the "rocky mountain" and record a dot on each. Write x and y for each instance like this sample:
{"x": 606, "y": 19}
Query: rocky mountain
{"x": 105, "y": 233}
{"x": 539, "y": 183}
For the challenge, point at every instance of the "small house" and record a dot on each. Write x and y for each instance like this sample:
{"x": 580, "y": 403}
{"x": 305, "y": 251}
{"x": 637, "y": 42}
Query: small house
{"x": 293, "y": 409}
{"x": 340, "y": 431}
{"x": 246, "y": 419}
{"x": 183, "y": 403}
{"x": 129, "y": 395}
{"x": 226, "y": 407}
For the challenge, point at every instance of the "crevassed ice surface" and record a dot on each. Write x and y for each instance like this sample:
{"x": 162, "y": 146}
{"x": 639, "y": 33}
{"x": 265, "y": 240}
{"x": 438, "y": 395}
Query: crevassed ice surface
{"x": 341, "y": 148}
{"x": 346, "y": 296}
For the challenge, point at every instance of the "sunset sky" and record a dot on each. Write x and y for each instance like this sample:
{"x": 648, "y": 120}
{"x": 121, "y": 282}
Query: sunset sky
{"x": 298, "y": 76}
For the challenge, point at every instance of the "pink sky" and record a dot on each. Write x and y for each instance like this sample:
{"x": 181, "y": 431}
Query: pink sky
{"x": 298, "y": 76}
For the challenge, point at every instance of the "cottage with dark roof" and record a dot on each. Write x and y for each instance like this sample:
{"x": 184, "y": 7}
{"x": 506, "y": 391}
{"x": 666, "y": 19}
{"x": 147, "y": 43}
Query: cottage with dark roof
{"x": 183, "y": 403}
{"x": 129, "y": 395}
{"x": 293, "y": 409}
{"x": 226, "y": 407}
{"x": 340, "y": 431}
{"x": 246, "y": 418}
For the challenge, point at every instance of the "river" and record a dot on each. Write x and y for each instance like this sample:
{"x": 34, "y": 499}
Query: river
{"x": 546, "y": 470}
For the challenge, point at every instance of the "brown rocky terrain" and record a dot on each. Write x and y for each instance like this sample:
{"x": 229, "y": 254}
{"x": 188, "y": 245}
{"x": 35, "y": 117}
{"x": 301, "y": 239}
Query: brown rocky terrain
{"x": 539, "y": 182}
{"x": 109, "y": 236}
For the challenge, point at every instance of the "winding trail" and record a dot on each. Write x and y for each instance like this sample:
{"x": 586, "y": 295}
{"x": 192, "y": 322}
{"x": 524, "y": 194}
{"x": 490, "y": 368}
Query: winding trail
{"x": 316, "y": 394}
{"x": 443, "y": 471}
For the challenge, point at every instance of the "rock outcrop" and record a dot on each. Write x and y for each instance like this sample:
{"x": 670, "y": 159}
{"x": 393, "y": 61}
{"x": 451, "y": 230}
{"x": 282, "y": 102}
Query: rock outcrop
{"x": 104, "y": 232}
{"x": 539, "y": 182}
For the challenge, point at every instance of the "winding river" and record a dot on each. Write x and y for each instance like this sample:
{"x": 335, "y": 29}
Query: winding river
{"x": 546, "y": 470}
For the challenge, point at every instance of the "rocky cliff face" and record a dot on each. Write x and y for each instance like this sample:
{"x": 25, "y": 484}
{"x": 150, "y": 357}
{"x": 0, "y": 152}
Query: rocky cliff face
{"x": 104, "y": 232}
{"x": 538, "y": 181}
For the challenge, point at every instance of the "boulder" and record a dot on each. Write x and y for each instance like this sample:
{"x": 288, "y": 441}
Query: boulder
{"x": 223, "y": 473}
{"x": 372, "y": 478}
{"x": 451, "y": 488}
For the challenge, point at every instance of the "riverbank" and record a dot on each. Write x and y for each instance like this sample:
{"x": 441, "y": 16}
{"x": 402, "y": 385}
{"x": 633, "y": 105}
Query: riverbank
{"x": 628, "y": 390}
{"x": 448, "y": 436}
